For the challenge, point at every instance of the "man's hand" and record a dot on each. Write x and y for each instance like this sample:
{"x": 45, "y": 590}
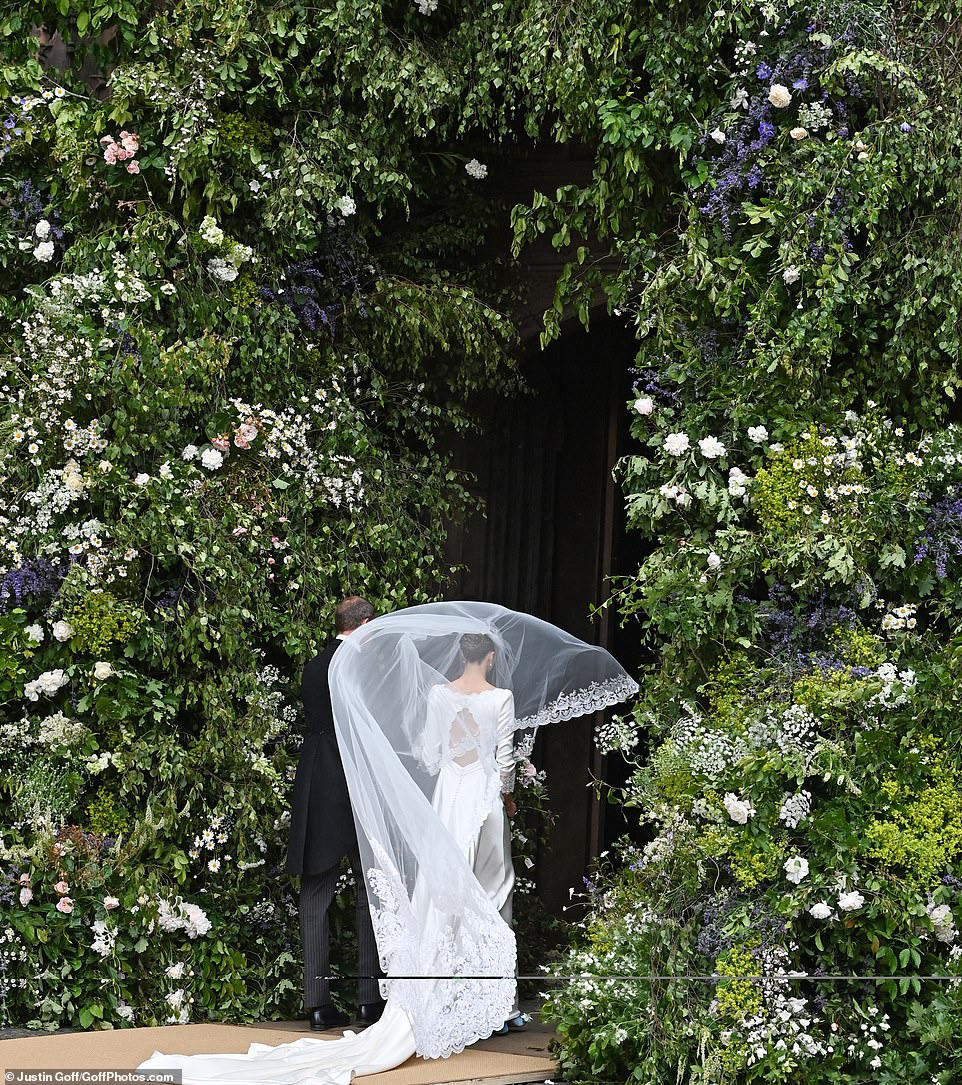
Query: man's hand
{"x": 510, "y": 806}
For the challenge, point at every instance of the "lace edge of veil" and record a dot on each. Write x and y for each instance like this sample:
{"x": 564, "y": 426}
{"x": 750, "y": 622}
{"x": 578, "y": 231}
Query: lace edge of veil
{"x": 582, "y": 702}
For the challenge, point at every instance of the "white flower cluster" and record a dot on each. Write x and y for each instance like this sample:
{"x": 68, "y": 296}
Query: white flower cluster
{"x": 899, "y": 617}
{"x": 708, "y": 751}
{"x": 208, "y": 839}
{"x": 47, "y": 683}
{"x": 59, "y": 730}
{"x": 788, "y": 730}
{"x": 211, "y": 232}
{"x": 179, "y": 915}
{"x": 226, "y": 268}
{"x": 104, "y": 938}
{"x": 814, "y": 116}
{"x": 619, "y": 733}
{"x": 943, "y": 922}
{"x": 795, "y": 809}
{"x": 678, "y": 494}
{"x": 738, "y": 482}
{"x": 868, "y": 1045}
{"x": 346, "y": 206}
{"x": 896, "y": 686}
{"x": 783, "y": 1028}
{"x": 474, "y": 168}
{"x": 41, "y": 244}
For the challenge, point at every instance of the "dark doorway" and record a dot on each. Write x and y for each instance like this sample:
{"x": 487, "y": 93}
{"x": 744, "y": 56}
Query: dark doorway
{"x": 552, "y": 534}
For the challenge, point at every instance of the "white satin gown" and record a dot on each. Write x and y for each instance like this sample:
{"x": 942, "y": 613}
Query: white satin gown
{"x": 467, "y": 799}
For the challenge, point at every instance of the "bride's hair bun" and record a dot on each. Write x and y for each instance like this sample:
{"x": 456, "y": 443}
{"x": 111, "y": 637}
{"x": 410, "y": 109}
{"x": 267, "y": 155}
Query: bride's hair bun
{"x": 475, "y": 646}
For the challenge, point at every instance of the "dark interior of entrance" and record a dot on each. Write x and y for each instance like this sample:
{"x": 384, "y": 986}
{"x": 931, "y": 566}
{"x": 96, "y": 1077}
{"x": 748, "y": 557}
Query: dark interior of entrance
{"x": 552, "y": 533}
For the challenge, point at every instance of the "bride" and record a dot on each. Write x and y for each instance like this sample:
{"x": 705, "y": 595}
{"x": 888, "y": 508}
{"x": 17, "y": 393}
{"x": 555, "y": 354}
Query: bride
{"x": 427, "y": 703}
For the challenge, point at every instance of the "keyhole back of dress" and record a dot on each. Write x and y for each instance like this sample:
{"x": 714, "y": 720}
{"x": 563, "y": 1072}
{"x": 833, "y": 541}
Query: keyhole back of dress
{"x": 464, "y": 738}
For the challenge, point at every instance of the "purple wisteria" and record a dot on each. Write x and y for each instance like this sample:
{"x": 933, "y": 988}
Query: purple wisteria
{"x": 942, "y": 538}
{"x": 36, "y": 578}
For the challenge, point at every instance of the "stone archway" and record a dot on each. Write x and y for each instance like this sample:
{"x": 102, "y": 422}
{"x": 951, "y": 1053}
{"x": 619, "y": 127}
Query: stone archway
{"x": 552, "y": 533}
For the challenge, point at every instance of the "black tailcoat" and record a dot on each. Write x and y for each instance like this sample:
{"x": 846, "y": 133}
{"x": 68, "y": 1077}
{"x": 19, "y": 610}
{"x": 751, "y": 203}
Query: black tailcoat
{"x": 322, "y": 824}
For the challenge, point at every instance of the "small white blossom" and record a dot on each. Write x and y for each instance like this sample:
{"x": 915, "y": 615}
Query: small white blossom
{"x": 474, "y": 168}
{"x": 717, "y": 135}
{"x": 714, "y": 560}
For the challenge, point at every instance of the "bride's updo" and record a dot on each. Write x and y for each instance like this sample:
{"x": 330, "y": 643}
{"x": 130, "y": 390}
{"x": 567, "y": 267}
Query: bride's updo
{"x": 475, "y": 646}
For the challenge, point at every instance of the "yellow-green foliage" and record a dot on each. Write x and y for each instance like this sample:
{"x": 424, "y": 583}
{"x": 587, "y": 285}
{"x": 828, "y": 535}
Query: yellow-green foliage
{"x": 738, "y": 997}
{"x": 858, "y": 647}
{"x": 750, "y": 865}
{"x": 923, "y": 834}
{"x": 103, "y": 817}
{"x": 779, "y": 497}
{"x": 671, "y": 774}
{"x": 99, "y": 619}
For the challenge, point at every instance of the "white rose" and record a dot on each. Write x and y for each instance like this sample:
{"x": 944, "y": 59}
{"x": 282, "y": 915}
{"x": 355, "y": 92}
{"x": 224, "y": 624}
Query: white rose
{"x": 124, "y": 1012}
{"x": 645, "y": 405}
{"x": 62, "y": 630}
{"x": 795, "y": 868}
{"x": 102, "y": 671}
{"x": 211, "y": 458}
{"x": 850, "y": 902}
{"x": 42, "y": 229}
{"x": 821, "y": 911}
{"x": 799, "y": 133}
{"x": 189, "y": 453}
{"x": 44, "y": 251}
{"x": 346, "y": 206}
{"x": 26, "y": 895}
{"x": 791, "y": 274}
{"x": 175, "y": 971}
{"x": 757, "y": 434}
{"x": 779, "y": 96}
{"x": 677, "y": 443}
{"x": 35, "y": 632}
{"x": 711, "y": 448}
{"x": 142, "y": 479}
{"x": 110, "y": 903}
{"x": 714, "y": 561}
{"x": 738, "y": 810}
{"x": 718, "y": 136}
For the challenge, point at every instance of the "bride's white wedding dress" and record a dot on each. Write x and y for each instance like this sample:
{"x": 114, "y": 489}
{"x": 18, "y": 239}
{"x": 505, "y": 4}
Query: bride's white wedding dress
{"x": 467, "y": 801}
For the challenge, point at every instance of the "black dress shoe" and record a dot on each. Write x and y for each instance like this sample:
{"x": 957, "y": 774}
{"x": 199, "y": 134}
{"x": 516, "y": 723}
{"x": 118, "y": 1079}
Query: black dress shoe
{"x": 369, "y": 1012}
{"x": 325, "y": 1017}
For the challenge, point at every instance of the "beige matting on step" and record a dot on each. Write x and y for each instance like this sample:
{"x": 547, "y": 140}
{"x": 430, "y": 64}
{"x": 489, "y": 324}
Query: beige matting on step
{"x": 123, "y": 1049}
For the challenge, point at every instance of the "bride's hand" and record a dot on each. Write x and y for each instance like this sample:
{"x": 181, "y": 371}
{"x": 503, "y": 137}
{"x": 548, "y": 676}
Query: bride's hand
{"x": 510, "y": 806}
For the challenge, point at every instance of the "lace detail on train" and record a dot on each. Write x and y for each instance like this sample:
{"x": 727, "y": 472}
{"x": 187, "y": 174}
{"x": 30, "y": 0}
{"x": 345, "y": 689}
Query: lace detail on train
{"x": 417, "y": 938}
{"x": 581, "y": 702}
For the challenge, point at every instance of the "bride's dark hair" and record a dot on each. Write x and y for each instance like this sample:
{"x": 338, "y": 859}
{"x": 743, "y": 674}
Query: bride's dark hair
{"x": 475, "y": 646}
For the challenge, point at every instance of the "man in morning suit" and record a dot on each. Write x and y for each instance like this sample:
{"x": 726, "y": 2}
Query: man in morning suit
{"x": 322, "y": 832}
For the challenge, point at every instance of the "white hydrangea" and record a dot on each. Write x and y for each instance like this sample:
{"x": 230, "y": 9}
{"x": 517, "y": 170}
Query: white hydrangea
{"x": 35, "y": 633}
{"x": 474, "y": 168}
{"x": 44, "y": 251}
{"x": 211, "y": 232}
{"x": 426, "y": 7}
{"x": 42, "y": 230}
{"x": 758, "y": 434}
{"x": 795, "y": 809}
{"x": 821, "y": 910}
{"x": 346, "y": 206}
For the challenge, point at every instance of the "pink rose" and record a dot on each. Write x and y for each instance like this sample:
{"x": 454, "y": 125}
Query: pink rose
{"x": 65, "y": 905}
{"x": 133, "y": 167}
{"x": 61, "y": 888}
{"x": 131, "y": 141}
{"x": 106, "y": 139}
{"x": 110, "y": 154}
{"x": 110, "y": 903}
{"x": 26, "y": 896}
{"x": 220, "y": 442}
{"x": 529, "y": 770}
{"x": 270, "y": 561}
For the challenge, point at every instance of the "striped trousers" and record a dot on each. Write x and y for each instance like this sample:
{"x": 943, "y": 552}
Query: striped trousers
{"x": 317, "y": 894}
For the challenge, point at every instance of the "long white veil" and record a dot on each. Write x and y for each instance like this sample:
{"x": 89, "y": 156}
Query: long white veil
{"x": 448, "y": 955}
